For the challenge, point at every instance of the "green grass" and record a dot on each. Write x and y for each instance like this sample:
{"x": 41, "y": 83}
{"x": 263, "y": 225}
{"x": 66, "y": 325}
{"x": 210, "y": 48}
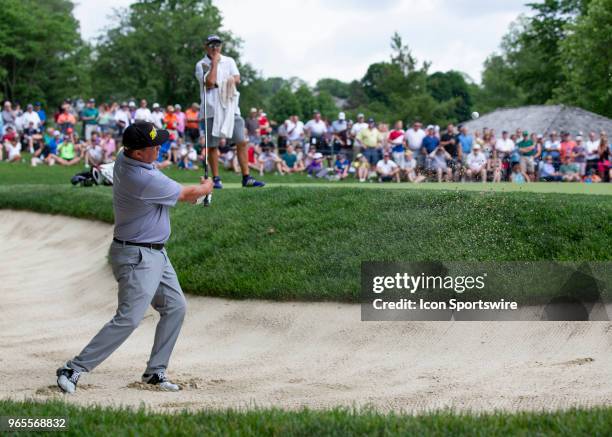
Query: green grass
{"x": 58, "y": 175}
{"x": 307, "y": 244}
{"x": 335, "y": 422}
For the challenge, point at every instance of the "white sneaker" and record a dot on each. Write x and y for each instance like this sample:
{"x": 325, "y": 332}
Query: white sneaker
{"x": 67, "y": 379}
{"x": 160, "y": 380}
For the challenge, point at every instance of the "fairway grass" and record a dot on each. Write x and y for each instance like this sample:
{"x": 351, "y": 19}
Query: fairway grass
{"x": 90, "y": 421}
{"x": 297, "y": 243}
{"x": 24, "y": 174}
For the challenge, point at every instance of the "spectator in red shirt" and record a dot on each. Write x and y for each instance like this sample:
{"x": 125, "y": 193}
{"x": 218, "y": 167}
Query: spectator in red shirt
{"x": 264, "y": 124}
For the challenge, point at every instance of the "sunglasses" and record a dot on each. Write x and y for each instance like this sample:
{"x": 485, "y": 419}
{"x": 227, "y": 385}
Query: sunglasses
{"x": 214, "y": 45}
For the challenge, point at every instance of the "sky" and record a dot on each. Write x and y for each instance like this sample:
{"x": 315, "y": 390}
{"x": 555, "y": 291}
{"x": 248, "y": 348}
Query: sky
{"x": 313, "y": 39}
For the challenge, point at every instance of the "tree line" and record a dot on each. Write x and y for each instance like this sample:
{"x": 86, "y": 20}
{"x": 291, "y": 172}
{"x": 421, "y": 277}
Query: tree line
{"x": 562, "y": 53}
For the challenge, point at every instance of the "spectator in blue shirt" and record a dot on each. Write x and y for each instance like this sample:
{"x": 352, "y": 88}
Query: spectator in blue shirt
{"x": 41, "y": 114}
{"x": 163, "y": 157}
{"x": 466, "y": 141}
{"x": 430, "y": 142}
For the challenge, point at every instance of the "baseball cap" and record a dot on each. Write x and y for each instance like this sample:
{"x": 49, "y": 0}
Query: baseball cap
{"x": 155, "y": 105}
{"x": 30, "y": 106}
{"x": 579, "y": 138}
{"x": 370, "y": 120}
{"x": 318, "y": 155}
{"x": 143, "y": 134}
{"x": 92, "y": 100}
{"x": 177, "y": 106}
{"x": 359, "y": 155}
{"x": 253, "y": 110}
{"x": 212, "y": 39}
{"x": 360, "y": 115}
{"x": 316, "y": 111}
{"x": 56, "y": 133}
{"x": 525, "y": 133}
{"x": 431, "y": 126}
{"x": 342, "y": 116}
{"x": 131, "y": 104}
{"x": 476, "y": 146}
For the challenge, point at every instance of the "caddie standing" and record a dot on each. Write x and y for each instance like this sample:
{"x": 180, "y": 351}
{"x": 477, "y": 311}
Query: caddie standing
{"x": 142, "y": 197}
{"x": 221, "y": 69}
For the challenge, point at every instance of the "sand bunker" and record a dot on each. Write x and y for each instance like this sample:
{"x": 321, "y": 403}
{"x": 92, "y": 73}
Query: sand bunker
{"x": 57, "y": 291}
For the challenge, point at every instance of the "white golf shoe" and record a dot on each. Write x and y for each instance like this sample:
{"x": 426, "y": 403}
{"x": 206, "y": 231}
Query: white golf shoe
{"x": 160, "y": 380}
{"x": 67, "y": 379}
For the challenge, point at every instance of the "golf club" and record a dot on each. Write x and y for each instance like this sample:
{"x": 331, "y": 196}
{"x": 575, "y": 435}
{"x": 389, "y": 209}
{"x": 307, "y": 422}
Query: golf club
{"x": 205, "y": 200}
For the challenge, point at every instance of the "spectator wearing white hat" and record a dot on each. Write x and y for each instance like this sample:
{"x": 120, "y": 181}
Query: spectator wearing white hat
{"x": 132, "y": 111}
{"x": 143, "y": 113}
{"x": 180, "y": 120}
{"x": 316, "y": 168}
{"x": 157, "y": 116}
{"x": 340, "y": 137}
{"x": 476, "y": 163}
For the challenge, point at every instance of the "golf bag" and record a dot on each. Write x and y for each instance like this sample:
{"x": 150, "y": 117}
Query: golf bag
{"x": 102, "y": 175}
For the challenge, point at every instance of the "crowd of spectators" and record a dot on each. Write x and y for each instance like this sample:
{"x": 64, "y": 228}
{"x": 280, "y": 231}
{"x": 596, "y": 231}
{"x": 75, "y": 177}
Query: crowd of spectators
{"x": 371, "y": 151}
{"x": 83, "y": 132}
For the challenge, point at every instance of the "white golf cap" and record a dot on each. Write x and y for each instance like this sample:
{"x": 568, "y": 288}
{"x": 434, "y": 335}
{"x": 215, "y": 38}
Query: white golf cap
{"x": 476, "y": 146}
{"x": 360, "y": 115}
{"x": 132, "y": 103}
{"x": 155, "y": 105}
{"x": 56, "y": 133}
{"x": 342, "y": 116}
{"x": 318, "y": 155}
{"x": 431, "y": 126}
{"x": 177, "y": 106}
{"x": 579, "y": 138}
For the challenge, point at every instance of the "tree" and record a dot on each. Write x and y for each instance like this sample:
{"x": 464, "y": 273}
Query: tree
{"x": 42, "y": 56}
{"x": 284, "y": 104}
{"x": 586, "y": 57}
{"x": 153, "y": 50}
{"x": 334, "y": 87}
{"x": 450, "y": 86}
{"x": 531, "y": 48}
{"x": 498, "y": 87}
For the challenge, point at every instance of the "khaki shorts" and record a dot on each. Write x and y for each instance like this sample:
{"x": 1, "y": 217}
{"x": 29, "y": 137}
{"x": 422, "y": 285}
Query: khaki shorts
{"x": 527, "y": 164}
{"x": 237, "y": 135}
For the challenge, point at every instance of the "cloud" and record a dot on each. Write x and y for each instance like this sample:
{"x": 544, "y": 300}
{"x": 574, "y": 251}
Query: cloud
{"x": 312, "y": 39}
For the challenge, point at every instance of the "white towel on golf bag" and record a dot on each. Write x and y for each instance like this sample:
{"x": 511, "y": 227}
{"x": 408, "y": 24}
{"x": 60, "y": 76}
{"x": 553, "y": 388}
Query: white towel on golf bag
{"x": 226, "y": 107}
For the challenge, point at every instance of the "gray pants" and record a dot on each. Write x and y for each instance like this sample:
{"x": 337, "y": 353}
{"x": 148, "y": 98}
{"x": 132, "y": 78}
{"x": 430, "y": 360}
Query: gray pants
{"x": 146, "y": 277}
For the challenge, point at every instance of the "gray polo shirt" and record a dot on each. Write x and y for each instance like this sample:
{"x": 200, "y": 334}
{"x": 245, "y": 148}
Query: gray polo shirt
{"x": 142, "y": 197}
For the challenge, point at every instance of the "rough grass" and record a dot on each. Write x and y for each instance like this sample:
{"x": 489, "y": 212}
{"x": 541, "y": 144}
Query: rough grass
{"x": 307, "y": 244}
{"x": 89, "y": 421}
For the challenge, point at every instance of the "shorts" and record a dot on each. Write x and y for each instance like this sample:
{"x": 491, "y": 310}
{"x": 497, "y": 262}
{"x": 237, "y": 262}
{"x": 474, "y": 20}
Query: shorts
{"x": 237, "y": 135}
{"x": 527, "y": 164}
{"x": 193, "y": 134}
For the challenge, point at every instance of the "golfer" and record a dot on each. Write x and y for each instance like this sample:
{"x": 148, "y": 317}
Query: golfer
{"x": 221, "y": 69}
{"x": 142, "y": 197}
